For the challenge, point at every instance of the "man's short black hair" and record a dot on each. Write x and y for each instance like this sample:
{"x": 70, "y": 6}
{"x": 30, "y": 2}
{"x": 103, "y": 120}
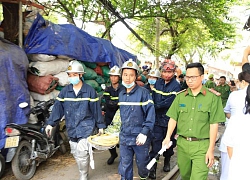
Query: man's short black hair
{"x": 224, "y": 77}
{"x": 196, "y": 65}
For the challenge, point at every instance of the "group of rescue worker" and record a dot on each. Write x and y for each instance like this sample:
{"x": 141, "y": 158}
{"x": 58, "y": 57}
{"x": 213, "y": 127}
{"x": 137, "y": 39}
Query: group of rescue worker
{"x": 149, "y": 119}
{"x": 162, "y": 87}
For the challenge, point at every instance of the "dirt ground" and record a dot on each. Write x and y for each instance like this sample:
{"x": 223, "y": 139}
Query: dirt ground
{"x": 63, "y": 167}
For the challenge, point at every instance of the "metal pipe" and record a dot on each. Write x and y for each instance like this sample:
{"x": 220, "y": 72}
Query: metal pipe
{"x": 20, "y": 29}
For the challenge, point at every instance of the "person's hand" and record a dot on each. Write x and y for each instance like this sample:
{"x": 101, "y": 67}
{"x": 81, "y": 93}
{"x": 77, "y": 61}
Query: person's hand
{"x": 101, "y": 131}
{"x": 48, "y": 130}
{"x": 166, "y": 142}
{"x": 209, "y": 158}
{"x": 141, "y": 139}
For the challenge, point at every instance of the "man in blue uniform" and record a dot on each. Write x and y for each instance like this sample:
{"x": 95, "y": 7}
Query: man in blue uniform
{"x": 153, "y": 75}
{"x": 111, "y": 103}
{"x": 163, "y": 95}
{"x": 137, "y": 117}
{"x": 79, "y": 103}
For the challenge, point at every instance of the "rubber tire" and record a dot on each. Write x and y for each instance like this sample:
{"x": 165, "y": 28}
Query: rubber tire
{"x": 62, "y": 148}
{"x": 15, "y": 162}
{"x": 2, "y": 165}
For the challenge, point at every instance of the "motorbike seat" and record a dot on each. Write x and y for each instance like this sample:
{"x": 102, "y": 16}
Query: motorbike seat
{"x": 36, "y": 126}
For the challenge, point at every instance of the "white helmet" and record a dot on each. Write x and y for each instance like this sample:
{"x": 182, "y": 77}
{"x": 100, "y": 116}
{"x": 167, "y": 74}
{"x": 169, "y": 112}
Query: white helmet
{"x": 154, "y": 73}
{"x": 115, "y": 71}
{"x": 130, "y": 64}
{"x": 75, "y": 66}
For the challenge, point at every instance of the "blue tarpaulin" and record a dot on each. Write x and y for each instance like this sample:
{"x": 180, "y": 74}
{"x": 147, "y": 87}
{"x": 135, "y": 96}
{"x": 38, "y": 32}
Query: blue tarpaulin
{"x": 45, "y": 37}
{"x": 13, "y": 86}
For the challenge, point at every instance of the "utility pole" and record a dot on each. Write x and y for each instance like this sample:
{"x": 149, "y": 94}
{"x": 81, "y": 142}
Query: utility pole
{"x": 157, "y": 39}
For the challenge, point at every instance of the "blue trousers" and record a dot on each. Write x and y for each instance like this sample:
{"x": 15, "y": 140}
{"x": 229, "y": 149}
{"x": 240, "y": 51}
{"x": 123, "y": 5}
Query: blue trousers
{"x": 126, "y": 161}
{"x": 159, "y": 133}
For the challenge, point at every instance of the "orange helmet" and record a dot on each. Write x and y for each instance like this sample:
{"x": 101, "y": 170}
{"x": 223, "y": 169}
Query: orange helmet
{"x": 168, "y": 65}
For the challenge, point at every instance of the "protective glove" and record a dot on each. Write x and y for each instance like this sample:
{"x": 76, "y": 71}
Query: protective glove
{"x": 48, "y": 130}
{"x": 101, "y": 131}
{"x": 141, "y": 139}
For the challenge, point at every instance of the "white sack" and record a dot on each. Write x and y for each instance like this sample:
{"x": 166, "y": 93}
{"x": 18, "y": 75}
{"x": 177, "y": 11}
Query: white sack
{"x": 50, "y": 67}
{"x": 63, "y": 78}
{"x": 33, "y": 117}
{"x": 41, "y": 57}
{"x": 46, "y": 97}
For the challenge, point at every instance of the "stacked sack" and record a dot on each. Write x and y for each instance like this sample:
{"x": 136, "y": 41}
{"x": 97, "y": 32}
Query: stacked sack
{"x": 45, "y": 73}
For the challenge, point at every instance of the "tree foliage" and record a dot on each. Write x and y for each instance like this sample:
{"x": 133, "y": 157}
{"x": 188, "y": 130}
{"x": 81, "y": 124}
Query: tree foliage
{"x": 188, "y": 27}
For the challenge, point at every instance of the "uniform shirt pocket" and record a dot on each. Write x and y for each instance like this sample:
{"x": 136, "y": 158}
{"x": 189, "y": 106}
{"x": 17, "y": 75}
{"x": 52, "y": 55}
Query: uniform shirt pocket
{"x": 203, "y": 114}
{"x": 183, "y": 114}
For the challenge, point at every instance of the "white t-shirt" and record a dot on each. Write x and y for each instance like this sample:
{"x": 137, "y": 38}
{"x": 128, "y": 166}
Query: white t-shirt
{"x": 237, "y": 136}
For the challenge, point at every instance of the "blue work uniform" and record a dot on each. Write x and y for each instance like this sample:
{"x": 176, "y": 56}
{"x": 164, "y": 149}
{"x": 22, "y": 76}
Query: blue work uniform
{"x": 137, "y": 116}
{"x": 82, "y": 111}
{"x": 163, "y": 95}
{"x": 147, "y": 86}
{"x": 111, "y": 102}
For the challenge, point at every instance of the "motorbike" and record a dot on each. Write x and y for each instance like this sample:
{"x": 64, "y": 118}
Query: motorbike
{"x": 31, "y": 145}
{"x": 2, "y": 164}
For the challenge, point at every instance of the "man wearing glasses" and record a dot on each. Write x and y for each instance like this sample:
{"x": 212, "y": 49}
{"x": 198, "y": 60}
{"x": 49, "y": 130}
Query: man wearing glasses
{"x": 196, "y": 112}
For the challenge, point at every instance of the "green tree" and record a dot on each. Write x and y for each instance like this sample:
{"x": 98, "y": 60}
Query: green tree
{"x": 187, "y": 26}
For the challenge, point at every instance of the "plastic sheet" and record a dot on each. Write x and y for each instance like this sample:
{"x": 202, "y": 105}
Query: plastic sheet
{"x": 45, "y": 37}
{"x": 13, "y": 86}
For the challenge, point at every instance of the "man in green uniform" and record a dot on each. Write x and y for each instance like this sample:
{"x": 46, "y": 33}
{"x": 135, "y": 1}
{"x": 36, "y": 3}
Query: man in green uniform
{"x": 196, "y": 112}
{"x": 224, "y": 89}
{"x": 210, "y": 82}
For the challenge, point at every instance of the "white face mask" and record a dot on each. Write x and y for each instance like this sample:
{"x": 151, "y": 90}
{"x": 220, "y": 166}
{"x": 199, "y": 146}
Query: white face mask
{"x": 128, "y": 86}
{"x": 74, "y": 80}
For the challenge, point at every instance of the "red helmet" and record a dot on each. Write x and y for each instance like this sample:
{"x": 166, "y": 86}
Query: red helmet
{"x": 168, "y": 65}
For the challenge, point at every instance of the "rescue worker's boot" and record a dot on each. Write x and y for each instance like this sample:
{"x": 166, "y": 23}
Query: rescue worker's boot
{"x": 113, "y": 156}
{"x": 83, "y": 166}
{"x": 152, "y": 172}
{"x": 166, "y": 166}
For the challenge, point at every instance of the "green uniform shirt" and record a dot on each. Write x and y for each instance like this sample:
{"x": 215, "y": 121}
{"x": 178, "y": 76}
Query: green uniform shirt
{"x": 210, "y": 84}
{"x": 225, "y": 91}
{"x": 194, "y": 114}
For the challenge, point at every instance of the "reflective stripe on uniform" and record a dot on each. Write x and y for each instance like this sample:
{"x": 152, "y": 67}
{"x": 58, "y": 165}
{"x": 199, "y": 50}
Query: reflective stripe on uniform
{"x": 111, "y": 97}
{"x": 78, "y": 99}
{"x": 164, "y": 93}
{"x": 136, "y": 103}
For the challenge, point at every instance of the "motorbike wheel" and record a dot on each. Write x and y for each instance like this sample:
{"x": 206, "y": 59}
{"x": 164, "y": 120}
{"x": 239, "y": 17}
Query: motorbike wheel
{"x": 62, "y": 148}
{"x": 2, "y": 165}
{"x": 22, "y": 167}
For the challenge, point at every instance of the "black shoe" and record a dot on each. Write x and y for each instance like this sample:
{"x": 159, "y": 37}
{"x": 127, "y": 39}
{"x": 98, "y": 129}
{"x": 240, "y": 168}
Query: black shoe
{"x": 166, "y": 167}
{"x": 152, "y": 174}
{"x": 112, "y": 159}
